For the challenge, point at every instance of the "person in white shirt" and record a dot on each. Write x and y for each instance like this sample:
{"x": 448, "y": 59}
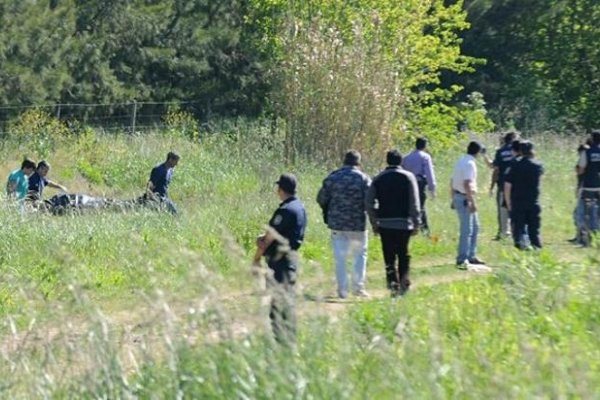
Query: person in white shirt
{"x": 464, "y": 187}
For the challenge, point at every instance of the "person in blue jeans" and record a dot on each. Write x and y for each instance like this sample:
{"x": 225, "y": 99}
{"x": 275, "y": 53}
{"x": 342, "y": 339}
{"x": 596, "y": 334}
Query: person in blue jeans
{"x": 342, "y": 200}
{"x": 464, "y": 188}
{"x": 589, "y": 168}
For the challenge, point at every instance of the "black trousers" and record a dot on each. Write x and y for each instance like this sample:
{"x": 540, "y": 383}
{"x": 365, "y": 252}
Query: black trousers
{"x": 422, "y": 184}
{"x": 394, "y": 243}
{"x": 529, "y": 217}
{"x": 281, "y": 286}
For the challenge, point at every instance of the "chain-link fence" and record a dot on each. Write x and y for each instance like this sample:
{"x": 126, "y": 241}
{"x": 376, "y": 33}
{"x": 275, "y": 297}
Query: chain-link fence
{"x": 127, "y": 117}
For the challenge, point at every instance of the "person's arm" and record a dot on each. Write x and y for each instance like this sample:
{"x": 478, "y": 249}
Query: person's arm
{"x": 414, "y": 204}
{"x": 494, "y": 180}
{"x": 370, "y": 207}
{"x": 582, "y": 163}
{"x": 507, "y": 192}
{"x": 467, "y": 185}
{"x": 56, "y": 186}
{"x": 430, "y": 175}
{"x": 324, "y": 195}
{"x": 262, "y": 244}
{"x": 488, "y": 161}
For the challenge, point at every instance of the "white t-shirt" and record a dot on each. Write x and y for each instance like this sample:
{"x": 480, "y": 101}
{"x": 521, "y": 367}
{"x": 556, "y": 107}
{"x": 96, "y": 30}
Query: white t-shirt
{"x": 465, "y": 169}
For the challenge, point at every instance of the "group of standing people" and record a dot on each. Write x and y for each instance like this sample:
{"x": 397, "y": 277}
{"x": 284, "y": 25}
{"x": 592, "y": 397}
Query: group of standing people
{"x": 517, "y": 176}
{"x": 586, "y": 214}
{"x": 393, "y": 203}
{"x": 348, "y": 198}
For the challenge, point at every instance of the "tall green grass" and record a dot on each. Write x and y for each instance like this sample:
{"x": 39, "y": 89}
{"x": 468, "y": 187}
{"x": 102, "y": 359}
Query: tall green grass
{"x": 141, "y": 304}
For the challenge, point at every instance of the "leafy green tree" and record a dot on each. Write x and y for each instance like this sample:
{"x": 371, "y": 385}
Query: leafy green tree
{"x": 542, "y": 61}
{"x": 360, "y": 72}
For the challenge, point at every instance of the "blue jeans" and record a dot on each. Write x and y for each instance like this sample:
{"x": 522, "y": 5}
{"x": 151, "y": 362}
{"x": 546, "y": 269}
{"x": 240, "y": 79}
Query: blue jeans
{"x": 355, "y": 243}
{"x": 590, "y": 210}
{"x": 469, "y": 229}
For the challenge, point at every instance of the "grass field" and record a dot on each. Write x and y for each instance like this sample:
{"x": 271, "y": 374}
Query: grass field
{"x": 144, "y": 305}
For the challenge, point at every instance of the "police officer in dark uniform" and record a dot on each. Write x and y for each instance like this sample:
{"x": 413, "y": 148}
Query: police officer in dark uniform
{"x": 279, "y": 245}
{"x": 589, "y": 167}
{"x": 502, "y": 160}
{"x": 522, "y": 192}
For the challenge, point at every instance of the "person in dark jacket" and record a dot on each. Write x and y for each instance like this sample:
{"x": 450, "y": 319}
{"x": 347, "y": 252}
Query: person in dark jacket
{"x": 579, "y": 212}
{"x": 393, "y": 207}
{"x": 342, "y": 200}
{"x": 160, "y": 178}
{"x": 589, "y": 168}
{"x": 502, "y": 160}
{"x": 279, "y": 245}
{"x": 38, "y": 181}
{"x": 522, "y": 192}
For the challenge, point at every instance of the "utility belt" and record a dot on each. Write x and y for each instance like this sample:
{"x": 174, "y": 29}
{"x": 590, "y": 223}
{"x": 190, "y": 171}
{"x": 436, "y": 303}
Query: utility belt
{"x": 457, "y": 192}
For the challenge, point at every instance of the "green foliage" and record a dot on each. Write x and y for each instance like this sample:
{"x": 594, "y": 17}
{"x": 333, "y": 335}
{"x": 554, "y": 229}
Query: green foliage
{"x": 38, "y": 130}
{"x": 542, "y": 61}
{"x": 181, "y": 123}
{"x": 354, "y": 74}
{"x": 141, "y": 304}
{"x": 91, "y": 51}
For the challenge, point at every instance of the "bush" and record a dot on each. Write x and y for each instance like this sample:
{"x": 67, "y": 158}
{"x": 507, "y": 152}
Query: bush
{"x": 39, "y": 130}
{"x": 181, "y": 123}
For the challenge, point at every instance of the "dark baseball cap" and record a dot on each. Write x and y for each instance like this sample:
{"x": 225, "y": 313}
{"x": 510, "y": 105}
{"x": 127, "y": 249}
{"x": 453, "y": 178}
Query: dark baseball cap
{"x": 287, "y": 183}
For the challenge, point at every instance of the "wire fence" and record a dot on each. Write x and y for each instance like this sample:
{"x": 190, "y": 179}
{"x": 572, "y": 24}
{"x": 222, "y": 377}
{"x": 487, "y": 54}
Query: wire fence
{"x": 127, "y": 117}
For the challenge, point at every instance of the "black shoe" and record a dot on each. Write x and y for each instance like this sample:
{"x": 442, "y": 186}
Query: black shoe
{"x": 497, "y": 237}
{"x": 476, "y": 261}
{"x": 575, "y": 240}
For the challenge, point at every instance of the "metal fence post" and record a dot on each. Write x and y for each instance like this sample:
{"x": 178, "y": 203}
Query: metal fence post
{"x": 133, "y": 117}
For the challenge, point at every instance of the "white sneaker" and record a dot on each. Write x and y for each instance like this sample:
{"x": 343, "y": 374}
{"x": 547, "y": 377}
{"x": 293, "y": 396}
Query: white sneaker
{"x": 465, "y": 265}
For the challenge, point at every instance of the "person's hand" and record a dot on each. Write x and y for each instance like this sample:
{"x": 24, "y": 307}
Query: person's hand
{"x": 433, "y": 195}
{"x": 261, "y": 242}
{"x": 256, "y": 267}
{"x": 472, "y": 207}
{"x": 491, "y": 192}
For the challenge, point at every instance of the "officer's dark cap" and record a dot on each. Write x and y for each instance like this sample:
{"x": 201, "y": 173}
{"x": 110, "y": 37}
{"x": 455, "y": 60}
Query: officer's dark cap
{"x": 287, "y": 183}
{"x": 352, "y": 157}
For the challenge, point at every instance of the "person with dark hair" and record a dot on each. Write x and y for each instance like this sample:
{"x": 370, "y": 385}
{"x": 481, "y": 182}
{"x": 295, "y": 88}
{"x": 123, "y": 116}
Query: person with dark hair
{"x": 279, "y": 245}
{"x": 464, "y": 188}
{"x": 579, "y": 211}
{"x": 38, "y": 181}
{"x": 589, "y": 168}
{"x": 522, "y": 192}
{"x": 419, "y": 163}
{"x": 393, "y": 207}
{"x": 502, "y": 160}
{"x": 342, "y": 200}
{"x": 157, "y": 188}
{"x": 17, "y": 184}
